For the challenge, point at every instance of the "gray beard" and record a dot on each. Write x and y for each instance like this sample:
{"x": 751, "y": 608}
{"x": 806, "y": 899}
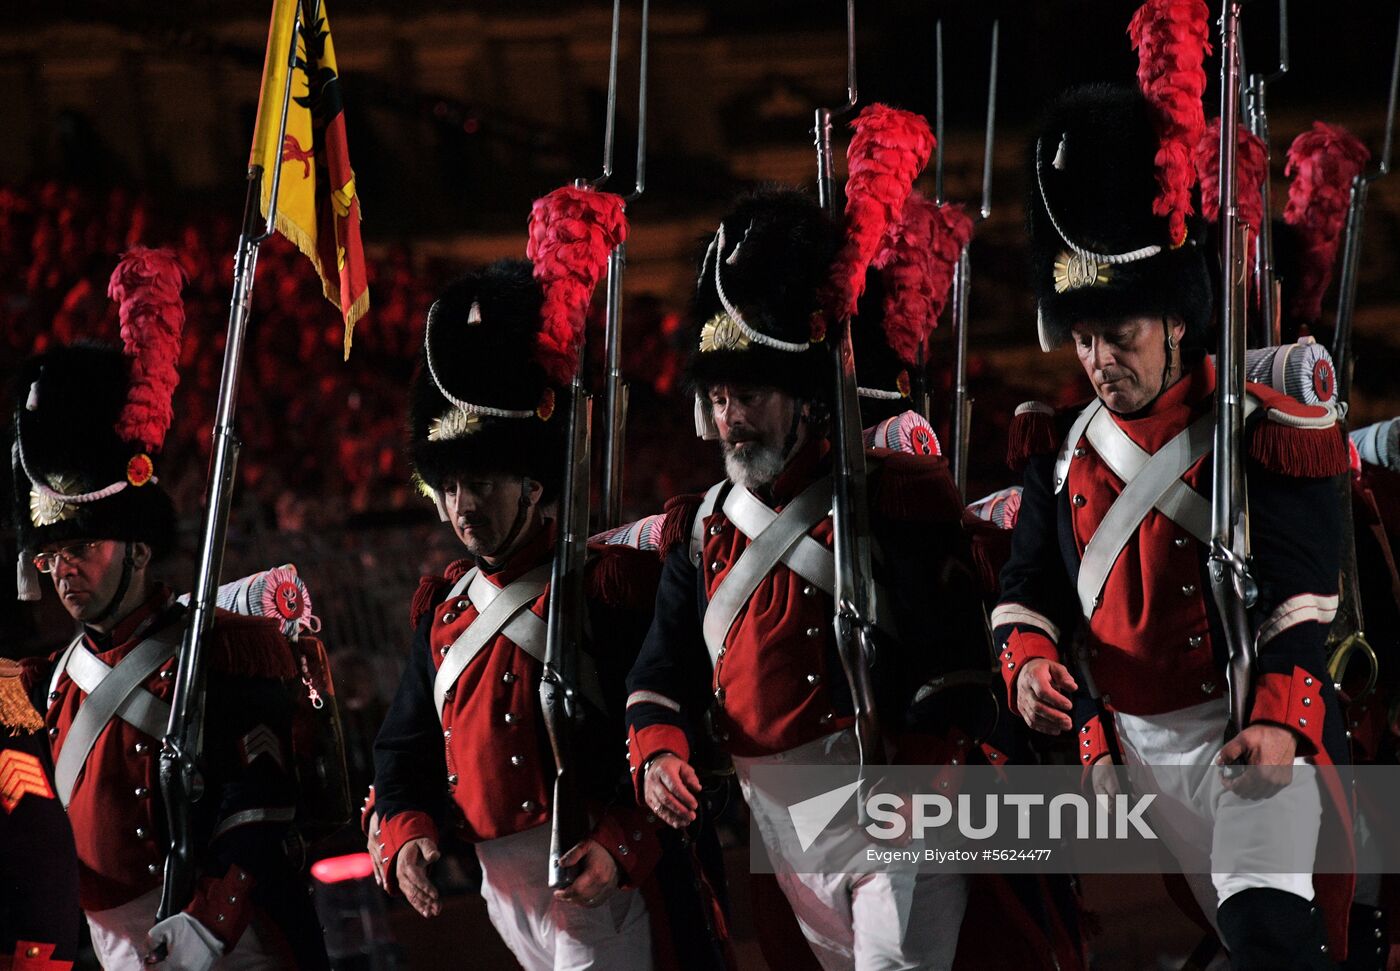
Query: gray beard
{"x": 756, "y": 468}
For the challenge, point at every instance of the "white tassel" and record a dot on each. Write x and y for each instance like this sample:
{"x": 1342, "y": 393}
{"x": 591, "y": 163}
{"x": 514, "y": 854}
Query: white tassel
{"x": 1059, "y": 162}
{"x": 27, "y": 579}
{"x": 705, "y": 427}
{"x": 474, "y": 314}
{"x": 440, "y": 501}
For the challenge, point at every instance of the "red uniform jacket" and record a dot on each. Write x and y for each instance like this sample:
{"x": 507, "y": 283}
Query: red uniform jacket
{"x": 250, "y": 788}
{"x": 1155, "y": 643}
{"x": 485, "y": 770}
{"x": 779, "y": 682}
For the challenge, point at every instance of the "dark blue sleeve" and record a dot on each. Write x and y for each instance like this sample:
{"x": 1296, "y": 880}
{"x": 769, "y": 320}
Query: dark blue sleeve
{"x": 408, "y": 753}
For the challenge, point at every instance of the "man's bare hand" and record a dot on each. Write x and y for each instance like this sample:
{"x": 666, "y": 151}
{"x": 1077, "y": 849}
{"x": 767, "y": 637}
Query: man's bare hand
{"x": 1103, "y": 777}
{"x": 597, "y": 878}
{"x": 412, "y": 872}
{"x": 1041, "y": 698}
{"x": 376, "y": 849}
{"x": 672, "y": 790}
{"x": 1269, "y": 751}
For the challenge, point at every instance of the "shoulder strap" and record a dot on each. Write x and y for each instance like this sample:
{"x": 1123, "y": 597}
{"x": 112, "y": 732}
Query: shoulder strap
{"x": 99, "y": 706}
{"x": 713, "y": 496}
{"x": 763, "y": 553}
{"x": 497, "y": 607}
{"x": 1076, "y": 431}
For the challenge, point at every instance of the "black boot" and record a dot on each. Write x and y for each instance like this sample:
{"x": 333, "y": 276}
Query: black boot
{"x": 1273, "y": 930}
{"x": 1368, "y": 940}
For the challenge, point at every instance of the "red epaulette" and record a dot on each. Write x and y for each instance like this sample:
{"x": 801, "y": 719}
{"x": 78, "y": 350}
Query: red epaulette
{"x": 1031, "y": 432}
{"x": 913, "y": 488}
{"x": 249, "y": 647}
{"x": 675, "y": 527}
{"x": 622, "y": 576}
{"x": 431, "y": 590}
{"x": 1291, "y": 438}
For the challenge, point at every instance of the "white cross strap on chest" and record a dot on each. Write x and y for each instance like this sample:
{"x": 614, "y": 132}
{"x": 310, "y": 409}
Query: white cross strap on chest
{"x": 1125, "y": 458}
{"x": 773, "y": 538}
{"x": 1137, "y": 499}
{"x": 504, "y": 611}
{"x": 113, "y": 691}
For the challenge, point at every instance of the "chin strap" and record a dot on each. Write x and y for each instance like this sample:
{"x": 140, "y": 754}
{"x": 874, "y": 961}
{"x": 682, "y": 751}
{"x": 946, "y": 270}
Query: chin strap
{"x": 128, "y": 568}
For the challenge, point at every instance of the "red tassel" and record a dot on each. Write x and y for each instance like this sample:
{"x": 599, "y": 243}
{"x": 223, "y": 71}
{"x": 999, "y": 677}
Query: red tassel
{"x": 249, "y": 647}
{"x": 1313, "y": 453}
{"x": 429, "y": 593}
{"x": 1171, "y": 40}
{"x": 623, "y": 577}
{"x": 572, "y": 232}
{"x": 146, "y": 285}
{"x": 915, "y": 489}
{"x": 1323, "y": 161}
{"x": 675, "y": 527}
{"x": 1032, "y": 432}
{"x": 888, "y": 150}
{"x": 916, "y": 259}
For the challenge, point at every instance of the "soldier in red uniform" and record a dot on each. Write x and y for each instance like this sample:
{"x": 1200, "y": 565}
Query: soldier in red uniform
{"x": 1109, "y": 551}
{"x": 463, "y": 754}
{"x": 747, "y": 644}
{"x": 90, "y": 512}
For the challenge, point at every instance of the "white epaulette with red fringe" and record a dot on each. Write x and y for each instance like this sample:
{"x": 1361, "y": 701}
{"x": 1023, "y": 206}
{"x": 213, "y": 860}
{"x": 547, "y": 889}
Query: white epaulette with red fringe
{"x": 1291, "y": 438}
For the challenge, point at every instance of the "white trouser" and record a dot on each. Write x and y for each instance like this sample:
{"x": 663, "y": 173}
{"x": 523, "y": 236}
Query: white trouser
{"x": 545, "y": 934}
{"x": 119, "y": 939}
{"x": 888, "y": 921}
{"x": 1199, "y": 820}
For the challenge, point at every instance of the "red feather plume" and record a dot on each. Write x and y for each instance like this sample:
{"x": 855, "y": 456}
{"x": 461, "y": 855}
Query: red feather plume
{"x": 572, "y": 232}
{"x": 1322, "y": 161}
{"x": 146, "y": 285}
{"x": 888, "y": 150}
{"x": 1171, "y": 40}
{"x": 1251, "y": 168}
{"x": 916, "y": 259}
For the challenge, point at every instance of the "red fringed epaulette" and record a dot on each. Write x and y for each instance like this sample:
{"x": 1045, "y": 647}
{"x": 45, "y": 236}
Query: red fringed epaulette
{"x": 1291, "y": 438}
{"x": 1032, "y": 432}
{"x": 623, "y": 577}
{"x": 913, "y": 488}
{"x": 249, "y": 647}
{"x": 431, "y": 590}
{"x": 991, "y": 548}
{"x": 675, "y": 528}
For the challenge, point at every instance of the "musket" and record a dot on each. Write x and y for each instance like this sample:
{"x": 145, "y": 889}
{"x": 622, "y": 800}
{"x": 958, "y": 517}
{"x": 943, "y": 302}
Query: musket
{"x": 1231, "y": 583}
{"x": 1351, "y": 249}
{"x": 615, "y": 394}
{"x": 962, "y": 272}
{"x": 854, "y": 587}
{"x": 560, "y": 697}
{"x": 181, "y": 784}
{"x": 1269, "y": 329}
{"x": 1348, "y": 631}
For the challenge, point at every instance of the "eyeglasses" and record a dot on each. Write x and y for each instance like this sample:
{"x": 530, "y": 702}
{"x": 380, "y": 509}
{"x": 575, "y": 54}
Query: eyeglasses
{"x": 75, "y": 554}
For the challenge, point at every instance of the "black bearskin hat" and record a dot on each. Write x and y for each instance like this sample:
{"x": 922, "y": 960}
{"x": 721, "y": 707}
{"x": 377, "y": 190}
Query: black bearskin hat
{"x": 1092, "y": 183}
{"x": 67, "y": 404}
{"x": 885, "y": 381}
{"x": 480, "y": 401}
{"x": 758, "y": 297}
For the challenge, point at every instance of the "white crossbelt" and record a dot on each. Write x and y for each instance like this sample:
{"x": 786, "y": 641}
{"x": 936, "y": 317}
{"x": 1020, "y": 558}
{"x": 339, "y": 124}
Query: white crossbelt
{"x": 504, "y": 611}
{"x": 112, "y": 691}
{"x": 1151, "y": 482}
{"x": 773, "y": 538}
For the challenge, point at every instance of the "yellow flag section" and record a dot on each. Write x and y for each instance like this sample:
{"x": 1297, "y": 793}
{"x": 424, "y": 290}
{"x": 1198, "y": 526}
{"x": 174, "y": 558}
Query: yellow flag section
{"x": 317, "y": 208}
